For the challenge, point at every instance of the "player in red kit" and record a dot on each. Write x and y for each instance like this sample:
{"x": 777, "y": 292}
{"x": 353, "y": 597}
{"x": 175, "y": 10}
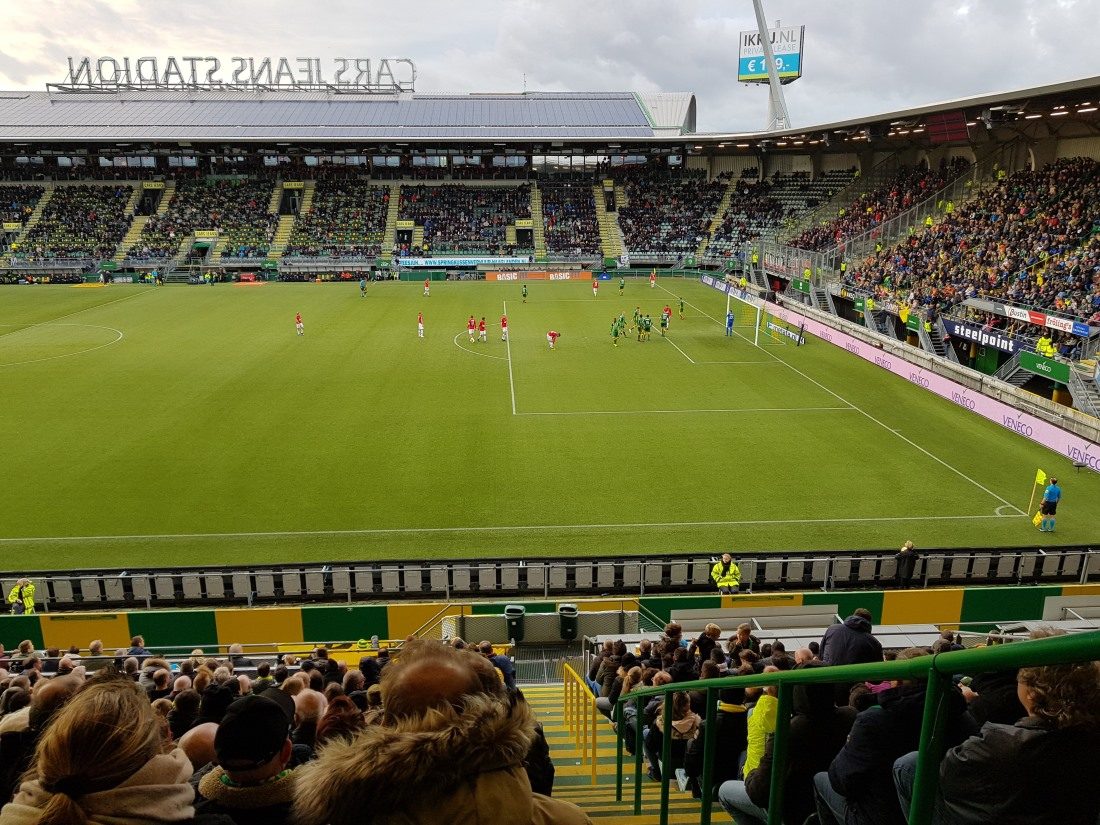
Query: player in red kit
{"x": 503, "y": 327}
{"x": 420, "y": 325}
{"x": 298, "y": 325}
{"x": 471, "y": 328}
{"x": 595, "y": 288}
{"x": 552, "y": 337}
{"x": 652, "y": 278}
{"x": 482, "y": 335}
{"x": 427, "y": 287}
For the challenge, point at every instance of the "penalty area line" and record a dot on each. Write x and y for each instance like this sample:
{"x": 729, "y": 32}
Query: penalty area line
{"x": 863, "y": 412}
{"x": 689, "y": 412}
{"x": 499, "y": 528}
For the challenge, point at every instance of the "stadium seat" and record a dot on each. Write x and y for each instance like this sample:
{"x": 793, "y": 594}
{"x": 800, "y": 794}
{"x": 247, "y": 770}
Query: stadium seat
{"x": 391, "y": 579}
{"x": 291, "y": 584}
{"x": 509, "y": 577}
{"x": 460, "y": 577}
{"x": 265, "y": 585}
{"x": 90, "y": 591}
{"x": 487, "y": 577}
{"x": 141, "y": 588}
{"x": 582, "y": 576}
{"x": 678, "y": 574}
{"x": 191, "y": 586}
{"x": 365, "y": 582}
{"x": 632, "y": 575}
{"x": 62, "y": 591}
{"x": 215, "y": 585}
{"x": 536, "y": 576}
{"x": 557, "y": 578}
{"x": 413, "y": 579}
{"x": 341, "y": 582}
{"x": 654, "y": 573}
{"x": 605, "y": 575}
{"x": 242, "y": 586}
{"x": 437, "y": 575}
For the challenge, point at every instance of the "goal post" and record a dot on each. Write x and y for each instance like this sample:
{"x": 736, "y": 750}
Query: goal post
{"x": 747, "y": 314}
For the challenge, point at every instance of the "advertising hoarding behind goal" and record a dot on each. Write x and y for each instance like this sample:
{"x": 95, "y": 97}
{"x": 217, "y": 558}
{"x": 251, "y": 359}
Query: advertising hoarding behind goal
{"x": 787, "y": 46}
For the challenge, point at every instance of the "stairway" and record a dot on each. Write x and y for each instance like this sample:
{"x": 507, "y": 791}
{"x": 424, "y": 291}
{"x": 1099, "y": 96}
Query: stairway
{"x": 275, "y": 199}
{"x": 573, "y": 777}
{"x": 130, "y": 238}
{"x": 1085, "y": 391}
{"x": 510, "y": 234}
{"x": 418, "y": 237}
{"x": 181, "y": 253}
{"x": 823, "y": 300}
{"x": 166, "y": 197}
{"x": 538, "y": 227}
{"x": 35, "y": 216}
{"x": 611, "y": 237}
{"x": 716, "y": 218}
{"x": 390, "y": 233}
{"x": 281, "y": 237}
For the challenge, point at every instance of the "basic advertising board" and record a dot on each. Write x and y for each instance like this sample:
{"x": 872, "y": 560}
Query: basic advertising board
{"x": 786, "y": 45}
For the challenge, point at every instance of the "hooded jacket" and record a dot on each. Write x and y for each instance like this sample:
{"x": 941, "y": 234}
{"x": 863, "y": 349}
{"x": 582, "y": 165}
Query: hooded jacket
{"x": 850, "y": 643}
{"x": 462, "y": 767}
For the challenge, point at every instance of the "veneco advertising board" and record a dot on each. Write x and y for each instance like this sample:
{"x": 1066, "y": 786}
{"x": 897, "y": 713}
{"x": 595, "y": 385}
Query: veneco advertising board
{"x": 1071, "y": 446}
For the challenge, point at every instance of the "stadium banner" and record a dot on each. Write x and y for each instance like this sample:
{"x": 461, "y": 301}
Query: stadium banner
{"x": 294, "y": 184}
{"x": 525, "y": 223}
{"x": 475, "y": 260}
{"x": 539, "y": 275}
{"x": 786, "y": 46}
{"x": 794, "y": 336}
{"x": 1073, "y": 447}
{"x": 206, "y": 234}
{"x": 731, "y": 289}
{"x": 406, "y": 224}
{"x": 981, "y": 336}
{"x": 912, "y": 323}
{"x": 12, "y": 226}
{"x": 1040, "y": 319}
{"x": 152, "y": 184}
{"x": 1044, "y": 366}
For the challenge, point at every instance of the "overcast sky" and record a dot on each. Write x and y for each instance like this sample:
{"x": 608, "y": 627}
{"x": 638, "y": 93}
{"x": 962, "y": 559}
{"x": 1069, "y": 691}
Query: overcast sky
{"x": 861, "y": 57}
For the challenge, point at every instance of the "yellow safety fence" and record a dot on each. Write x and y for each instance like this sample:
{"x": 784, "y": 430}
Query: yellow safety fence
{"x": 581, "y": 714}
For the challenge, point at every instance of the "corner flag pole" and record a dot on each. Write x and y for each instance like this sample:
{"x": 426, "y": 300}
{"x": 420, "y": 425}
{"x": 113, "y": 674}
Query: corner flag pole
{"x": 1040, "y": 479}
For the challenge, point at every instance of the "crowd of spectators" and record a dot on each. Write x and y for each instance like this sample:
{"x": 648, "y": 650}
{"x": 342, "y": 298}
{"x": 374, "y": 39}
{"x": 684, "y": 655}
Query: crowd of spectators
{"x": 852, "y": 747}
{"x": 86, "y": 737}
{"x": 668, "y": 215}
{"x": 237, "y": 208}
{"x": 79, "y": 222}
{"x": 1031, "y": 240}
{"x": 458, "y": 218}
{"x": 905, "y": 189}
{"x": 569, "y": 219}
{"x": 347, "y": 219}
{"x": 18, "y": 202}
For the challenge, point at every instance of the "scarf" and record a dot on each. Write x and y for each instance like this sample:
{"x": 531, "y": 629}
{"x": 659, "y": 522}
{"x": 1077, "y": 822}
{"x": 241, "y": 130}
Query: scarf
{"x": 158, "y": 792}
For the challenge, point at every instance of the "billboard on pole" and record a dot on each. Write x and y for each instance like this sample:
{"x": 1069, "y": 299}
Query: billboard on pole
{"x": 787, "y": 47}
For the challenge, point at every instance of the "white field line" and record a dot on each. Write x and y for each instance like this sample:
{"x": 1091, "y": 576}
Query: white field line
{"x": 493, "y": 529}
{"x": 77, "y": 312}
{"x": 508, "y": 347}
{"x": 859, "y": 409}
{"x": 688, "y": 357}
{"x": 687, "y": 412}
{"x": 474, "y": 351}
{"x": 117, "y": 332}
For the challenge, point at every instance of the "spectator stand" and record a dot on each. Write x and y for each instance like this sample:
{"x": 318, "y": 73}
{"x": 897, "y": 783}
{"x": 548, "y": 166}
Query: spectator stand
{"x": 75, "y": 222}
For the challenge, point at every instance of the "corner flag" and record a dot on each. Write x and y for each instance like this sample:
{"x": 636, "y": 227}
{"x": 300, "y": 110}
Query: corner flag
{"x": 1040, "y": 477}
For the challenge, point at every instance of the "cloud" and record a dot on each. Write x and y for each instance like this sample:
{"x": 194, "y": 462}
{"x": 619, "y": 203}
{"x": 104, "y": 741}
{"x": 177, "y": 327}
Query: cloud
{"x": 861, "y": 57}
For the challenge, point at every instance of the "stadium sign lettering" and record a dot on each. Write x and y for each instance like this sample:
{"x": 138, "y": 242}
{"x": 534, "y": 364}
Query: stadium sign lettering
{"x": 961, "y": 399}
{"x": 852, "y": 348}
{"x": 919, "y": 379}
{"x": 1014, "y": 424}
{"x": 980, "y": 336}
{"x": 885, "y": 363}
{"x": 346, "y": 73}
{"x": 1079, "y": 456}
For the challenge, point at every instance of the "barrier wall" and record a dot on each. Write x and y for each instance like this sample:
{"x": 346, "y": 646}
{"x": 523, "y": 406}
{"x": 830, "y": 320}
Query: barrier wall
{"x": 317, "y": 624}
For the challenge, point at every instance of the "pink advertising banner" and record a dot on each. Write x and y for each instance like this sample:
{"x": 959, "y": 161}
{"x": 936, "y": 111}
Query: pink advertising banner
{"x": 1042, "y": 432}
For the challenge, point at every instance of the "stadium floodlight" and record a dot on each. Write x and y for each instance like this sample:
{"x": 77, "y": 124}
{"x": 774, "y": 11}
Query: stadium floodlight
{"x": 778, "y": 117}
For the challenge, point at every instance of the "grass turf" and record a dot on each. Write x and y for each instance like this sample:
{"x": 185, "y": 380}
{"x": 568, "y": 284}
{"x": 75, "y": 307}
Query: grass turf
{"x": 190, "y": 425}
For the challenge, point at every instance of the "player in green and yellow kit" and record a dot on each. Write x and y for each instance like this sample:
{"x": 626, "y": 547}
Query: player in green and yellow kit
{"x": 622, "y": 285}
{"x": 615, "y": 331}
{"x": 647, "y": 325}
{"x": 681, "y": 309}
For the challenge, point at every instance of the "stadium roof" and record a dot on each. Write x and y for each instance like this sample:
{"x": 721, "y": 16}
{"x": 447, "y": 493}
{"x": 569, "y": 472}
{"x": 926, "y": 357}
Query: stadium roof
{"x": 275, "y": 115}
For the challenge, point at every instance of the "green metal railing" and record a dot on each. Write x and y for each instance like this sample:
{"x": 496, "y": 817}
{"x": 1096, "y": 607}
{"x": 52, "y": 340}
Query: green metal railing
{"x": 936, "y": 669}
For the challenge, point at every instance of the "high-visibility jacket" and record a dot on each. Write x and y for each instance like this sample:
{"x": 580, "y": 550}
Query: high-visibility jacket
{"x": 730, "y": 577}
{"x": 24, "y": 594}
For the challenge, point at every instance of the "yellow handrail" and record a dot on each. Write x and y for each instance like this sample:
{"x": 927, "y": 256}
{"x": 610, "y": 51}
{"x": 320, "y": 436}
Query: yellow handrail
{"x": 580, "y": 707}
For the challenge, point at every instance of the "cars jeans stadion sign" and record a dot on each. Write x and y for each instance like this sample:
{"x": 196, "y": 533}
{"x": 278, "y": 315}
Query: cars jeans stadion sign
{"x": 363, "y": 74}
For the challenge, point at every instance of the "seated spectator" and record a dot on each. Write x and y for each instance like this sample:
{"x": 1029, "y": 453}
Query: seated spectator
{"x": 450, "y": 744}
{"x": 685, "y": 727}
{"x": 742, "y": 639}
{"x": 342, "y": 720}
{"x": 1038, "y": 770}
{"x": 17, "y": 747}
{"x": 309, "y": 707}
{"x": 251, "y": 783}
{"x": 858, "y": 788}
{"x": 500, "y": 662}
{"x": 184, "y": 713}
{"x": 731, "y": 727}
{"x": 706, "y": 642}
{"x": 102, "y": 759}
{"x": 818, "y": 731}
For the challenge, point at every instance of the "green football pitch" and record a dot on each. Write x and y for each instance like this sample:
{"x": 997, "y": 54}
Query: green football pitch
{"x": 191, "y": 425}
